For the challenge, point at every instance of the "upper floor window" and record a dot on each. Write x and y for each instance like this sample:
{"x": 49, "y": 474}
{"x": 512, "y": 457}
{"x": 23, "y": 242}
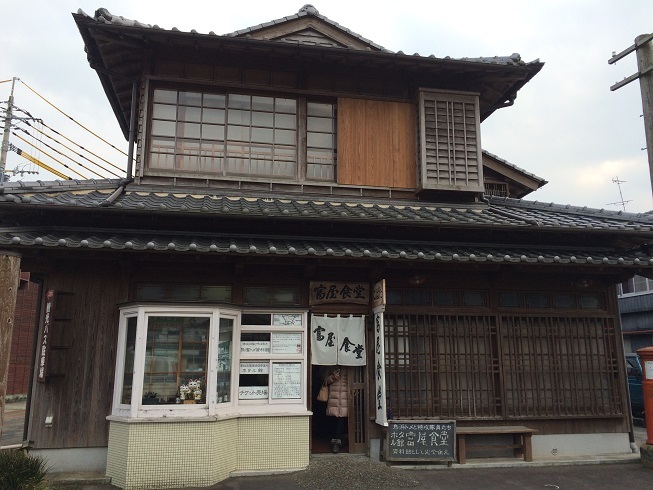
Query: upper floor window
{"x": 239, "y": 135}
{"x": 634, "y": 285}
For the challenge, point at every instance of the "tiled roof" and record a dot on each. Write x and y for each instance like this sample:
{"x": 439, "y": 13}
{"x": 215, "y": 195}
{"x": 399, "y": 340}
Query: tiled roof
{"x": 519, "y": 169}
{"x": 103, "y": 16}
{"x": 307, "y": 11}
{"x": 496, "y": 212}
{"x": 205, "y": 243}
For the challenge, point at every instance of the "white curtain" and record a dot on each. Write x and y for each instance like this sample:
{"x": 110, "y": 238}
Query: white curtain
{"x": 338, "y": 340}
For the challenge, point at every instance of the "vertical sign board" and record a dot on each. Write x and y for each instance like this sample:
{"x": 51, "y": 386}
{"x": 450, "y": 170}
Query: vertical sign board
{"x": 378, "y": 303}
{"x": 44, "y": 348}
{"x": 421, "y": 440}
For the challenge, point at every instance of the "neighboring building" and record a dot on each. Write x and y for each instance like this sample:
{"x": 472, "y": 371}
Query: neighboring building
{"x": 22, "y": 339}
{"x": 281, "y": 173}
{"x": 636, "y": 309}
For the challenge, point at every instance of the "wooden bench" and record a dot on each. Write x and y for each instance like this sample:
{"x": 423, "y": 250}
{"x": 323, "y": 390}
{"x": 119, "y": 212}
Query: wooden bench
{"x": 521, "y": 440}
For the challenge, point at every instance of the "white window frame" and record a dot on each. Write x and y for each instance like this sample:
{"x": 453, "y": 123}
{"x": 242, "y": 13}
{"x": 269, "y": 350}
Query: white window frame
{"x": 234, "y": 407}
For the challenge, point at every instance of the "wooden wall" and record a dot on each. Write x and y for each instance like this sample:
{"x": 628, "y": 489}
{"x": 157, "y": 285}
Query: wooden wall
{"x": 79, "y": 395}
{"x": 376, "y": 143}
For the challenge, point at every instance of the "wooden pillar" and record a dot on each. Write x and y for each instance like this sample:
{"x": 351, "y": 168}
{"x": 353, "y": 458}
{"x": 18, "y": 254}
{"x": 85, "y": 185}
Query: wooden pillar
{"x": 9, "y": 279}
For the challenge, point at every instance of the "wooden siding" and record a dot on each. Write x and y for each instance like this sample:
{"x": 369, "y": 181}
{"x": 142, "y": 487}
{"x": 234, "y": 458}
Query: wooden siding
{"x": 376, "y": 143}
{"x": 79, "y": 395}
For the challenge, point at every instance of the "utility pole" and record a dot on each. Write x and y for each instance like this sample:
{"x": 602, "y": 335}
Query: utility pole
{"x": 644, "y": 50}
{"x": 7, "y": 130}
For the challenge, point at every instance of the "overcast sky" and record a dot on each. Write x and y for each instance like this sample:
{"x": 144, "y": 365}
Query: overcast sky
{"x": 566, "y": 125}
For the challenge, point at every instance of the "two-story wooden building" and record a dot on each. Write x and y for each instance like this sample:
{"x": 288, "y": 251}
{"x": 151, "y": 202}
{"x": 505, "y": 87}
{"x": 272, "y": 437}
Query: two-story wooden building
{"x": 280, "y": 173}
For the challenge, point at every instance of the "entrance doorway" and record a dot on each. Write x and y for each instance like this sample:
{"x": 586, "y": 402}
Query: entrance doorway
{"x": 324, "y": 428}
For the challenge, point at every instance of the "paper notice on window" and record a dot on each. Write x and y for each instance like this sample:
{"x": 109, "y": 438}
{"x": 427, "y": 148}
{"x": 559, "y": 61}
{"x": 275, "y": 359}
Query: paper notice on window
{"x": 286, "y": 380}
{"x": 286, "y": 343}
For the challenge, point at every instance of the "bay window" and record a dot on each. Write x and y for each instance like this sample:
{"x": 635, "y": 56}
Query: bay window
{"x": 176, "y": 361}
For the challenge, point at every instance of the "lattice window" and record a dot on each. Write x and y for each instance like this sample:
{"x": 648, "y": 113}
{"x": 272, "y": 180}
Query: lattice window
{"x": 560, "y": 366}
{"x": 486, "y": 366}
{"x": 449, "y": 142}
{"x": 442, "y": 366}
{"x": 499, "y": 189}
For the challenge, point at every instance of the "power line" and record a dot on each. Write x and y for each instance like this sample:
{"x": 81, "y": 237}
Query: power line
{"x": 58, "y": 161}
{"x": 73, "y": 119}
{"x": 58, "y": 151}
{"x": 69, "y": 149}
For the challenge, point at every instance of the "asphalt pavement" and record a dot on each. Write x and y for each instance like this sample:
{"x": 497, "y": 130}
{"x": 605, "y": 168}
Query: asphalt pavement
{"x": 353, "y": 472}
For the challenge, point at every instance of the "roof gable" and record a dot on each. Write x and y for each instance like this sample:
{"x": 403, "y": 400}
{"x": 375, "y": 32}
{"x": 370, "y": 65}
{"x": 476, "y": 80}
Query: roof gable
{"x": 308, "y": 27}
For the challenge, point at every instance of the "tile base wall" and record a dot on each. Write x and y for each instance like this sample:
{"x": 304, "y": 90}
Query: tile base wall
{"x": 201, "y": 453}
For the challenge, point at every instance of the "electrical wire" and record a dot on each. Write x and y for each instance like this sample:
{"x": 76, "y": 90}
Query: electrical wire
{"x": 85, "y": 149}
{"x": 50, "y": 156}
{"x": 73, "y": 120}
{"x": 71, "y": 149}
{"x": 59, "y": 152}
{"x": 67, "y": 139}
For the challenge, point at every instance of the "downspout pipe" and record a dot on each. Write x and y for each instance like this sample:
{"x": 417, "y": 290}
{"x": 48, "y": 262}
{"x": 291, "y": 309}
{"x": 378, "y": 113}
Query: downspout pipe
{"x": 132, "y": 137}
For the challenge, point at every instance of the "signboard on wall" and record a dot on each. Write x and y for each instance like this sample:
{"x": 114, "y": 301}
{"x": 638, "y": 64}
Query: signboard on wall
{"x": 421, "y": 440}
{"x": 378, "y": 294}
{"x": 379, "y": 369}
{"x": 44, "y": 347}
{"x": 328, "y": 292}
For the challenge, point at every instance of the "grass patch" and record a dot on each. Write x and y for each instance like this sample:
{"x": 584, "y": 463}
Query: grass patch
{"x": 20, "y": 471}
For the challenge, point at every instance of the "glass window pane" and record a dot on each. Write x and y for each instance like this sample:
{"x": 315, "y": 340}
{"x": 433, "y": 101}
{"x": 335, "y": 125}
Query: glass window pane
{"x": 288, "y": 296}
{"x": 418, "y": 297}
{"x": 286, "y": 121}
{"x": 509, "y": 300}
{"x": 264, "y": 119}
{"x": 214, "y": 100}
{"x": 237, "y": 116}
{"x": 165, "y": 96}
{"x": 319, "y": 140}
{"x": 537, "y": 300}
{"x": 190, "y": 98}
{"x": 225, "y": 341}
{"x": 563, "y": 300}
{"x": 262, "y": 135}
{"x": 319, "y": 124}
{"x": 164, "y": 111}
{"x": 175, "y": 360}
{"x": 255, "y": 319}
{"x": 473, "y": 298}
{"x": 150, "y": 292}
{"x": 319, "y": 109}
{"x": 289, "y": 106}
{"x": 193, "y": 114}
{"x": 237, "y": 133}
{"x": 263, "y": 104}
{"x": 216, "y": 293}
{"x": 239, "y": 102}
{"x": 188, "y": 130}
{"x": 213, "y": 116}
{"x": 284, "y": 136}
{"x": 128, "y": 371}
{"x": 212, "y": 132}
{"x": 163, "y": 128}
{"x": 590, "y": 301}
{"x": 444, "y": 298}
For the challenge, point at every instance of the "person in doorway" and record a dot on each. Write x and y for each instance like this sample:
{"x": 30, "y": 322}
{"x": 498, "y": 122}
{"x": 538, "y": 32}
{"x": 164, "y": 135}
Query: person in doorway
{"x": 338, "y": 403}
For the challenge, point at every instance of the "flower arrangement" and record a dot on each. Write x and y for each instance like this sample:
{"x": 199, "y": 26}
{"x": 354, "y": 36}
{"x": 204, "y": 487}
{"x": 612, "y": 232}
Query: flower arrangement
{"x": 191, "y": 392}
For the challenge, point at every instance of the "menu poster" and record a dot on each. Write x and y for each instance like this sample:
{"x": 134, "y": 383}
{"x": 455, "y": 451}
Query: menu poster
{"x": 286, "y": 343}
{"x": 286, "y": 380}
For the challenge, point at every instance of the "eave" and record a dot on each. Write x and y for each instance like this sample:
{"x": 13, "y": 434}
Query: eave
{"x": 119, "y": 54}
